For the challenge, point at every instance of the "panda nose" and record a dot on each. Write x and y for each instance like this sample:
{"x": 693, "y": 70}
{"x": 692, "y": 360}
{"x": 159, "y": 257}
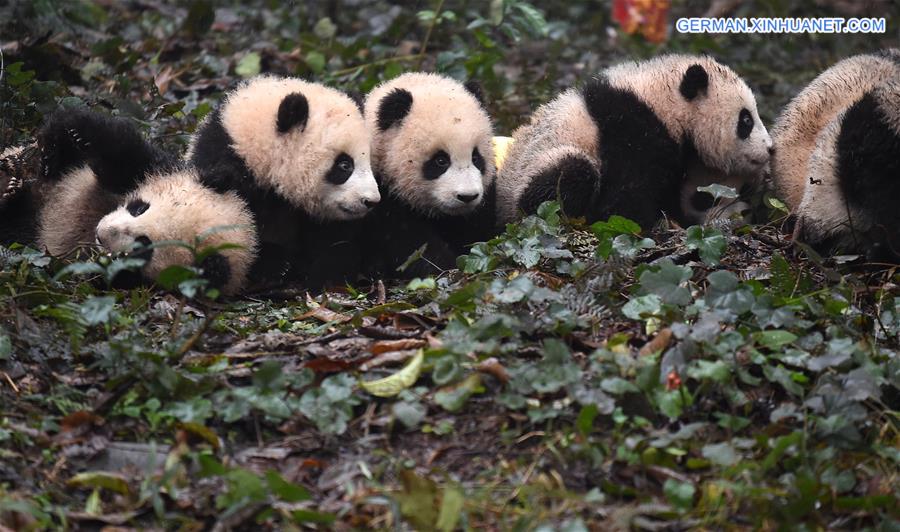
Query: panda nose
{"x": 771, "y": 150}
{"x": 467, "y": 198}
{"x": 369, "y": 203}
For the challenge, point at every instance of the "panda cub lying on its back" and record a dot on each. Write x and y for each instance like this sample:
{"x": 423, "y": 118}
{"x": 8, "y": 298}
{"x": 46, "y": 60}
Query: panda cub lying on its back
{"x": 433, "y": 156}
{"x": 624, "y": 143}
{"x": 102, "y": 182}
{"x": 837, "y": 158}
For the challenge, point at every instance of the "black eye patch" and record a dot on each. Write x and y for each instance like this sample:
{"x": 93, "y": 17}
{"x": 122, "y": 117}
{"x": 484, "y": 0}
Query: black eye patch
{"x": 478, "y": 160}
{"x": 745, "y": 124}
{"x": 341, "y": 170}
{"x": 436, "y": 166}
{"x": 702, "y": 201}
{"x": 137, "y": 207}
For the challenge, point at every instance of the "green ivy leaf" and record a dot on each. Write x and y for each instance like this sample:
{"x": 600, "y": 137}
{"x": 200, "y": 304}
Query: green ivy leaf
{"x": 250, "y": 65}
{"x": 721, "y": 454}
{"x": 774, "y": 340}
{"x": 315, "y": 61}
{"x": 97, "y": 310}
{"x": 719, "y": 191}
{"x": 709, "y": 242}
{"x": 679, "y": 494}
{"x": 174, "y": 275}
{"x": 640, "y": 307}
{"x": 5, "y": 345}
{"x": 454, "y": 397}
{"x": 284, "y": 490}
{"x": 667, "y": 280}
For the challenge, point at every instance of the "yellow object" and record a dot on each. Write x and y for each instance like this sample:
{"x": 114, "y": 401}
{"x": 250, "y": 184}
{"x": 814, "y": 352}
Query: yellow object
{"x": 501, "y": 148}
{"x": 396, "y": 383}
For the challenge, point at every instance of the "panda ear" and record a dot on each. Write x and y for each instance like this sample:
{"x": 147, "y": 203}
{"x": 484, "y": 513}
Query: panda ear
{"x": 393, "y": 108}
{"x": 293, "y": 111}
{"x": 695, "y": 81}
{"x": 475, "y": 89}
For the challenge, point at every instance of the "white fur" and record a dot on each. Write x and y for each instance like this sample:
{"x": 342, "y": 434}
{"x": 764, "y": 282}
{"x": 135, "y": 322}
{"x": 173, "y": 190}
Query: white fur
{"x": 182, "y": 209}
{"x": 444, "y": 116}
{"x": 71, "y": 210}
{"x": 295, "y": 163}
{"x": 559, "y": 128}
{"x": 796, "y": 129}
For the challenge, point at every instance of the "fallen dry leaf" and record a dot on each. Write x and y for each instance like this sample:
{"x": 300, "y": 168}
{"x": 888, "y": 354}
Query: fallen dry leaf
{"x": 659, "y": 342}
{"x": 384, "y": 346}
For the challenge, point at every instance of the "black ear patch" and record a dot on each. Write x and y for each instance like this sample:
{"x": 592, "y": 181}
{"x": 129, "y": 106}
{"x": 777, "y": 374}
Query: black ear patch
{"x": 216, "y": 270}
{"x": 393, "y": 108}
{"x": 695, "y": 81}
{"x": 293, "y": 111}
{"x": 475, "y": 89}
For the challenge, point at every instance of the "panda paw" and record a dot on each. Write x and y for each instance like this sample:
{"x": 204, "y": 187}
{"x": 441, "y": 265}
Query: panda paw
{"x": 14, "y": 173}
{"x": 80, "y": 142}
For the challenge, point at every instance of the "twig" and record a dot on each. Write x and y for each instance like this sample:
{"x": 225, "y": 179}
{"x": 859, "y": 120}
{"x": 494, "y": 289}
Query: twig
{"x": 189, "y": 343}
{"x": 11, "y": 383}
{"x": 348, "y": 70}
{"x": 424, "y": 48}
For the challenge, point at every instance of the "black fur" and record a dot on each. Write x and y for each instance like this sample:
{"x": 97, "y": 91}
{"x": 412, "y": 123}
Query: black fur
{"x": 475, "y": 89}
{"x": 436, "y": 165}
{"x": 694, "y": 82}
{"x": 393, "y": 108}
{"x": 222, "y": 169}
{"x": 216, "y": 269}
{"x": 19, "y": 216}
{"x": 478, "y": 161}
{"x": 292, "y": 112}
{"x": 396, "y": 230}
{"x": 341, "y": 170}
{"x": 113, "y": 147}
{"x": 573, "y": 180}
{"x": 868, "y": 157}
{"x": 144, "y": 249}
{"x": 745, "y": 124}
{"x": 293, "y": 246}
{"x": 117, "y": 153}
{"x": 642, "y": 166}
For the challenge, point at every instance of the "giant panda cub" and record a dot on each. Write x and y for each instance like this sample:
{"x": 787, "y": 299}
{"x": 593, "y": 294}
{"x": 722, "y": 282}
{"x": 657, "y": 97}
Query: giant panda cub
{"x": 624, "y": 143}
{"x": 837, "y": 162}
{"x": 298, "y": 153}
{"x": 102, "y": 182}
{"x": 433, "y": 156}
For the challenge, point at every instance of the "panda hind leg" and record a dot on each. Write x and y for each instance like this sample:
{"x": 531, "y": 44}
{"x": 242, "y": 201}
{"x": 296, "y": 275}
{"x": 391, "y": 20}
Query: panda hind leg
{"x": 573, "y": 179}
{"x": 116, "y": 151}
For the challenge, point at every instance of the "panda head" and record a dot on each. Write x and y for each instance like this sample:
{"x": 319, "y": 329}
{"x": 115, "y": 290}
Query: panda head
{"x": 306, "y": 141}
{"x": 721, "y": 118}
{"x": 431, "y": 143}
{"x": 176, "y": 207}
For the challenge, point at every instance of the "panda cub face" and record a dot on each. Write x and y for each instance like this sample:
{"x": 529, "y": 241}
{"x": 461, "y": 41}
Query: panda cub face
{"x": 431, "y": 141}
{"x": 176, "y": 207}
{"x": 724, "y": 123}
{"x": 306, "y": 141}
